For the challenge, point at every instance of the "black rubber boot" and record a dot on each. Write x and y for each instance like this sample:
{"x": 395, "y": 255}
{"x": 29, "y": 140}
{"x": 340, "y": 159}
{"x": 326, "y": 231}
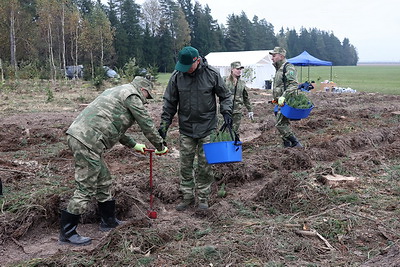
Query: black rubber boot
{"x": 107, "y": 214}
{"x": 287, "y": 143}
{"x": 68, "y": 234}
{"x": 203, "y": 205}
{"x": 294, "y": 141}
{"x": 185, "y": 203}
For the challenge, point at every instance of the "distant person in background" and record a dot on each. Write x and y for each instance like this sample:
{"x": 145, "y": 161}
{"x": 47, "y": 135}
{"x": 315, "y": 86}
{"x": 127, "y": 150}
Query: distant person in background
{"x": 240, "y": 96}
{"x": 285, "y": 83}
{"x": 192, "y": 92}
{"x": 306, "y": 86}
{"x": 100, "y": 126}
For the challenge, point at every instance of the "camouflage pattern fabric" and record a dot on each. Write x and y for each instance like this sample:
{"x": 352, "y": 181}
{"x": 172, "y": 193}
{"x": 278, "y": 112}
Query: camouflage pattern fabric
{"x": 291, "y": 80}
{"x": 283, "y": 126}
{"x": 241, "y": 100}
{"x": 242, "y": 96}
{"x": 236, "y": 120}
{"x": 92, "y": 177}
{"x": 104, "y": 122}
{"x": 189, "y": 184}
{"x": 98, "y": 127}
{"x": 283, "y": 123}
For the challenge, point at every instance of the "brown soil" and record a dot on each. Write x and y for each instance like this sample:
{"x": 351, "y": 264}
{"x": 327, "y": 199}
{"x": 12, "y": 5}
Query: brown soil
{"x": 278, "y": 210}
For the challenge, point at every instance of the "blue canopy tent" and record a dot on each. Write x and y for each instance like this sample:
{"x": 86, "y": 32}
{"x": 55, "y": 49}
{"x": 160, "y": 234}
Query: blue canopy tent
{"x": 305, "y": 59}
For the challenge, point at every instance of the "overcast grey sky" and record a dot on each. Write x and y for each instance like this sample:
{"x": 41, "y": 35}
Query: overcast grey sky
{"x": 372, "y": 26}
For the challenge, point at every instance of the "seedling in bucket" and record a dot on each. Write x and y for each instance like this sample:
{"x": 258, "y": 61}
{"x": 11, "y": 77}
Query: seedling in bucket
{"x": 151, "y": 213}
{"x": 297, "y": 107}
{"x": 221, "y": 151}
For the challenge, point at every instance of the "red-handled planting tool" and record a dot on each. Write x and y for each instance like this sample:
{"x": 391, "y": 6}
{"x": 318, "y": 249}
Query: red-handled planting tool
{"x": 151, "y": 213}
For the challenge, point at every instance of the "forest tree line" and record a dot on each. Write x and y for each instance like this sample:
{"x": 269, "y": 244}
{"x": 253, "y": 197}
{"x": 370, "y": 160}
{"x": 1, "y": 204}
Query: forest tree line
{"x": 39, "y": 38}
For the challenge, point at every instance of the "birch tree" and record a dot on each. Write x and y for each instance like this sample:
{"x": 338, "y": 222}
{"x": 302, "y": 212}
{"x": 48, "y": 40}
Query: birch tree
{"x": 8, "y": 14}
{"x": 73, "y": 28}
{"x": 97, "y": 37}
{"x": 46, "y": 10}
{"x": 152, "y": 14}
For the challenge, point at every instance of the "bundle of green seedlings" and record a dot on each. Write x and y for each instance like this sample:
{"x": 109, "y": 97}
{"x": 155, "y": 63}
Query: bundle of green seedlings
{"x": 221, "y": 136}
{"x": 299, "y": 101}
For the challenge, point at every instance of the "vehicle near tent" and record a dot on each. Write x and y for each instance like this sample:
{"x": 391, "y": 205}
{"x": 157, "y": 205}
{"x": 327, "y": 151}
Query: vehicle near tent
{"x": 74, "y": 72}
{"x": 110, "y": 73}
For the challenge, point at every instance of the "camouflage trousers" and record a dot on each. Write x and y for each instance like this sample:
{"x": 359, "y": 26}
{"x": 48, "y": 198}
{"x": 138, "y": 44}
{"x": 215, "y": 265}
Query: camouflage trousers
{"x": 189, "y": 182}
{"x": 283, "y": 126}
{"x": 92, "y": 177}
{"x": 236, "y": 119}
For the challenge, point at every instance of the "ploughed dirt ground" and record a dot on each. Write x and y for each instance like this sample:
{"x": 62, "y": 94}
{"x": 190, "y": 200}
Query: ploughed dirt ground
{"x": 334, "y": 202}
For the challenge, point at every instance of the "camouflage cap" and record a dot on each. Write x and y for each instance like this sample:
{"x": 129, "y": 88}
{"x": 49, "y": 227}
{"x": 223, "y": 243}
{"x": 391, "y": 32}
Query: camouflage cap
{"x": 142, "y": 82}
{"x": 278, "y": 50}
{"x": 236, "y": 65}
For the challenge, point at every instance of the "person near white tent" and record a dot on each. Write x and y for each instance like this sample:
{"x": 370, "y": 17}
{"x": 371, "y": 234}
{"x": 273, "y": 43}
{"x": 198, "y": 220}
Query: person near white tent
{"x": 258, "y": 68}
{"x": 240, "y": 95}
{"x": 285, "y": 83}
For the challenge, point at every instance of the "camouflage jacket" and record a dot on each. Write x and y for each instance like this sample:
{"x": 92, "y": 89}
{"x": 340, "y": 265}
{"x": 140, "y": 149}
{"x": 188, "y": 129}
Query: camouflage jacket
{"x": 291, "y": 80}
{"x": 104, "y": 122}
{"x": 242, "y": 97}
{"x": 194, "y": 97}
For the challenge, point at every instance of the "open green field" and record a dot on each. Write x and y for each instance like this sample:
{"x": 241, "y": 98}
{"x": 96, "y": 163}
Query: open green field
{"x": 375, "y": 78}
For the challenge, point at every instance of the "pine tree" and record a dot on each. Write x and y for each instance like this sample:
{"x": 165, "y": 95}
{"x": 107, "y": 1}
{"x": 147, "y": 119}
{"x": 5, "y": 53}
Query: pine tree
{"x": 234, "y": 39}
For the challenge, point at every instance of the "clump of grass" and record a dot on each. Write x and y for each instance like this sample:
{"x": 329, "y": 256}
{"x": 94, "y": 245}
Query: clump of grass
{"x": 50, "y": 95}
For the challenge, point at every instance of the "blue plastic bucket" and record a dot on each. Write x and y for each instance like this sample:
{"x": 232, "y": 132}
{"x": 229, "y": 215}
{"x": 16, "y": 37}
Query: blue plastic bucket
{"x": 295, "y": 113}
{"x": 223, "y": 152}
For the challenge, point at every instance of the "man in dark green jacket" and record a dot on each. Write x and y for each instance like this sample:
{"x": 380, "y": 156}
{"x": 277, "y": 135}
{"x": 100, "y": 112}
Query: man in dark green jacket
{"x": 192, "y": 91}
{"x": 99, "y": 127}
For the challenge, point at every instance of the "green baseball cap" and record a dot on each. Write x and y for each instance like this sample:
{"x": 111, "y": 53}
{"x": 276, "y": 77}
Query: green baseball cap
{"x": 144, "y": 83}
{"x": 186, "y": 57}
{"x": 278, "y": 50}
{"x": 236, "y": 65}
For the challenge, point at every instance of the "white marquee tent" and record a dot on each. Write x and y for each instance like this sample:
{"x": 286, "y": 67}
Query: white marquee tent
{"x": 258, "y": 65}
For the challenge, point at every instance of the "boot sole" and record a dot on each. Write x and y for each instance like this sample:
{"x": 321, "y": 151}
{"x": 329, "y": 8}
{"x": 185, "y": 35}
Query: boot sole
{"x": 74, "y": 244}
{"x": 106, "y": 229}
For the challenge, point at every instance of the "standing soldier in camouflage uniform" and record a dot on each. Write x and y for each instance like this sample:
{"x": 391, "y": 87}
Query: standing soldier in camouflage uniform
{"x": 285, "y": 83}
{"x": 192, "y": 91}
{"x": 98, "y": 127}
{"x": 240, "y": 96}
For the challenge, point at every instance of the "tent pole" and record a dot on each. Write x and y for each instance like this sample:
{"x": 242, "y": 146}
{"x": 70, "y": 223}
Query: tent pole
{"x": 301, "y": 74}
{"x": 308, "y": 77}
{"x": 331, "y": 72}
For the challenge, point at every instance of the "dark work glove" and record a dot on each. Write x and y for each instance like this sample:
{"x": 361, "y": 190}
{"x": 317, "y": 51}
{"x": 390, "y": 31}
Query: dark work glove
{"x": 227, "y": 119}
